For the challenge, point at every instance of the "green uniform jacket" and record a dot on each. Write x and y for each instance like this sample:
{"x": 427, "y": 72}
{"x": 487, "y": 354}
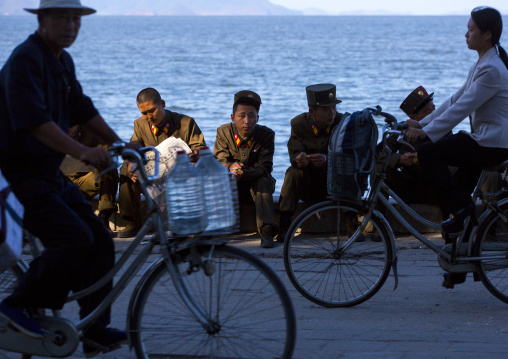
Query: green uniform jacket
{"x": 303, "y": 138}
{"x": 181, "y": 126}
{"x": 258, "y": 158}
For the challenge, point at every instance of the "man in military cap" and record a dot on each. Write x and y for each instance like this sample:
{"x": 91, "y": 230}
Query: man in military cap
{"x": 153, "y": 127}
{"x": 246, "y": 149}
{"x": 305, "y": 179}
{"x": 403, "y": 173}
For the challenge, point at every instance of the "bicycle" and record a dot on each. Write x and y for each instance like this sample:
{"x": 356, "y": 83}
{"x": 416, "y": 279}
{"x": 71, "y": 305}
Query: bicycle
{"x": 332, "y": 263}
{"x": 202, "y": 298}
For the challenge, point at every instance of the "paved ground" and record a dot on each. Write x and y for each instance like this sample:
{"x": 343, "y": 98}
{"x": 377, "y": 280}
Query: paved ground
{"x": 420, "y": 319}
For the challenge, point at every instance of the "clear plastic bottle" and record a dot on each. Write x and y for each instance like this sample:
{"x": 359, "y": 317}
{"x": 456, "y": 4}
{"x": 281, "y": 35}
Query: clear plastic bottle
{"x": 187, "y": 212}
{"x": 221, "y": 194}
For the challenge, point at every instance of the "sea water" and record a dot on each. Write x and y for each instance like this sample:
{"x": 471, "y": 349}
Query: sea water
{"x": 199, "y": 63}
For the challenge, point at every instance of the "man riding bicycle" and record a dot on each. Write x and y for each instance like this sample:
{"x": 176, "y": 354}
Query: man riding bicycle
{"x": 40, "y": 98}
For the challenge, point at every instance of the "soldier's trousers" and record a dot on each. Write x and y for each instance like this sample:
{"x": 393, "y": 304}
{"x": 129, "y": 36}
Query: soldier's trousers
{"x": 261, "y": 191}
{"x": 129, "y": 196}
{"x": 106, "y": 187}
{"x": 307, "y": 184}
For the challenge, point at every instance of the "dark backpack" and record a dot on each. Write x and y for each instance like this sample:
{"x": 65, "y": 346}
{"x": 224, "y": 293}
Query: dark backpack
{"x": 352, "y": 154}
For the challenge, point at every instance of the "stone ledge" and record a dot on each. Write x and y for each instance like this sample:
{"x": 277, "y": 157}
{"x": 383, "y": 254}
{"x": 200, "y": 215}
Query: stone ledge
{"x": 248, "y": 217}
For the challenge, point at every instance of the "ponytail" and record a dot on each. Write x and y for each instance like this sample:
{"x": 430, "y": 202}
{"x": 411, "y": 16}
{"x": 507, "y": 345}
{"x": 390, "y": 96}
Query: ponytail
{"x": 502, "y": 55}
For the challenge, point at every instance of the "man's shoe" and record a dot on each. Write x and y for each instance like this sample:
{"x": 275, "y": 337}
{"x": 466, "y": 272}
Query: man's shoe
{"x": 104, "y": 216}
{"x": 131, "y": 229}
{"x": 267, "y": 233}
{"x": 284, "y": 224}
{"x": 450, "y": 279}
{"x": 102, "y": 342}
{"x": 21, "y": 320}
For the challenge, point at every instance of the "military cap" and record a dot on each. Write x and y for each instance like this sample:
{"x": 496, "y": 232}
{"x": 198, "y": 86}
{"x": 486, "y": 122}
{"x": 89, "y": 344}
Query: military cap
{"x": 248, "y": 97}
{"x": 415, "y": 101}
{"x": 321, "y": 95}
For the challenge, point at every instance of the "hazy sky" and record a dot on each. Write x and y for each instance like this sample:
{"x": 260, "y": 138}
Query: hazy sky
{"x": 427, "y": 7}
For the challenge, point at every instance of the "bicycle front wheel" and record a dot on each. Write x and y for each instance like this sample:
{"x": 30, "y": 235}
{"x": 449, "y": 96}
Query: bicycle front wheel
{"x": 249, "y": 312}
{"x": 327, "y": 269}
{"x": 492, "y": 244}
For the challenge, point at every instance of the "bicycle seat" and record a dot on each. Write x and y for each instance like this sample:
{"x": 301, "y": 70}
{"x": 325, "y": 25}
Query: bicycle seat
{"x": 497, "y": 168}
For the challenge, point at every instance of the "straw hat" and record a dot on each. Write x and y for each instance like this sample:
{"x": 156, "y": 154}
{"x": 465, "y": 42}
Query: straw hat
{"x": 62, "y": 4}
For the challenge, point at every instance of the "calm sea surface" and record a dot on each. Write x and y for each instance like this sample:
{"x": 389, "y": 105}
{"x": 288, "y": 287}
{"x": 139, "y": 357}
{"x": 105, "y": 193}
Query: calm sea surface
{"x": 198, "y": 63}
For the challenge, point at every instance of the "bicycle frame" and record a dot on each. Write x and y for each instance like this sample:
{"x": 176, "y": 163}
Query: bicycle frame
{"x": 380, "y": 191}
{"x": 153, "y": 222}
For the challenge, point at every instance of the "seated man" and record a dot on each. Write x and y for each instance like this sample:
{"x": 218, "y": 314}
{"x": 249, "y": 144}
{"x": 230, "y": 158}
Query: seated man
{"x": 85, "y": 177}
{"x": 246, "y": 149}
{"x": 154, "y": 126}
{"x": 403, "y": 174}
{"x": 307, "y": 147}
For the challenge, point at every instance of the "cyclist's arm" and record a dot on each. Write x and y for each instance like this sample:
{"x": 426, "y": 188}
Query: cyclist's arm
{"x": 53, "y": 137}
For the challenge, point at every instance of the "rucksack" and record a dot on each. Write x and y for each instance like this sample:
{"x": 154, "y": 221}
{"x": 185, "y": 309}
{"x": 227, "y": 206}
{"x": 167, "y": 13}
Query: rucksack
{"x": 352, "y": 154}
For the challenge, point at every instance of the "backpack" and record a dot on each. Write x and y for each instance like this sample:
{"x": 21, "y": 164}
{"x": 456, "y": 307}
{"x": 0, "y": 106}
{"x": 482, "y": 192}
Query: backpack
{"x": 352, "y": 154}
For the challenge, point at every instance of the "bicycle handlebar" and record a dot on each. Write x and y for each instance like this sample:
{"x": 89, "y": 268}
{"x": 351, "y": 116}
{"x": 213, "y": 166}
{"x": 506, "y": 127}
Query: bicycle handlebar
{"x": 137, "y": 156}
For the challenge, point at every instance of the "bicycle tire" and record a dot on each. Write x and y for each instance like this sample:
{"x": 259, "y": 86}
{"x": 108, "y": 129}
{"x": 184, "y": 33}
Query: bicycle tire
{"x": 492, "y": 239}
{"x": 246, "y": 298}
{"x": 326, "y": 276}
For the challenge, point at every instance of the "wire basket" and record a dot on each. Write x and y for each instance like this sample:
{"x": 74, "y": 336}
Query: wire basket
{"x": 343, "y": 179}
{"x": 8, "y": 282}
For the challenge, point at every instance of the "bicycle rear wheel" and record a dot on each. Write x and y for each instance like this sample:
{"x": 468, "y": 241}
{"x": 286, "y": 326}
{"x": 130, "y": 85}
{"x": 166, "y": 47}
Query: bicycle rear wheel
{"x": 250, "y": 311}
{"x": 323, "y": 269}
{"x": 492, "y": 240}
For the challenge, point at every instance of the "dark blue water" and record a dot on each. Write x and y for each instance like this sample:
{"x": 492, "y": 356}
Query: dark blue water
{"x": 198, "y": 63}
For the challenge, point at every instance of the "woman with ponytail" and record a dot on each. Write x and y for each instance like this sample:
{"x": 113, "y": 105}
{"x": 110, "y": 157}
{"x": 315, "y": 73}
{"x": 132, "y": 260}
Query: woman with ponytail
{"x": 484, "y": 99}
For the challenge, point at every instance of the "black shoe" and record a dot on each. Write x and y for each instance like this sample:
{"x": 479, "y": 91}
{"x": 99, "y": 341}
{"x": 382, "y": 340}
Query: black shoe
{"x": 284, "y": 224}
{"x": 132, "y": 228}
{"x": 104, "y": 341}
{"x": 455, "y": 224}
{"x": 267, "y": 233}
{"x": 104, "y": 216}
{"x": 450, "y": 279}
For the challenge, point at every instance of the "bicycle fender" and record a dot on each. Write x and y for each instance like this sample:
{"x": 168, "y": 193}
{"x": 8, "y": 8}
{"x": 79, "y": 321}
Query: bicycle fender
{"x": 389, "y": 230}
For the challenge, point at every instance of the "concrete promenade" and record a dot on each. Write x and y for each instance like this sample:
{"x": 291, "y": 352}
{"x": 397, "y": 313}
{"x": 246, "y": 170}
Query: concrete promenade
{"x": 420, "y": 319}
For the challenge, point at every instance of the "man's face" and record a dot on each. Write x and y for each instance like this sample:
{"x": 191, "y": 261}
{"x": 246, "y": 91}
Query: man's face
{"x": 424, "y": 111}
{"x": 324, "y": 115}
{"x": 153, "y": 112}
{"x": 59, "y": 28}
{"x": 245, "y": 118}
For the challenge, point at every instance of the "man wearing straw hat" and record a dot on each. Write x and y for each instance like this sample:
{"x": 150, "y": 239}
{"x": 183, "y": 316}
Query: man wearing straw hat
{"x": 40, "y": 98}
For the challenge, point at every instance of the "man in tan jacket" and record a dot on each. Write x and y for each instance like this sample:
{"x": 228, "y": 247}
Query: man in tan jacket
{"x": 305, "y": 179}
{"x": 246, "y": 149}
{"x": 154, "y": 126}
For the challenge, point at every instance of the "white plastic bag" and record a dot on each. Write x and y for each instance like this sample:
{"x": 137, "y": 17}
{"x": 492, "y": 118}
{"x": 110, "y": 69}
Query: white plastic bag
{"x": 11, "y": 226}
{"x": 167, "y": 152}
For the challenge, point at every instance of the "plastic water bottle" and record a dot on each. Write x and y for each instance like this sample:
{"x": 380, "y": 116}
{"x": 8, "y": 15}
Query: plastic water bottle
{"x": 221, "y": 194}
{"x": 185, "y": 198}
